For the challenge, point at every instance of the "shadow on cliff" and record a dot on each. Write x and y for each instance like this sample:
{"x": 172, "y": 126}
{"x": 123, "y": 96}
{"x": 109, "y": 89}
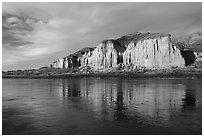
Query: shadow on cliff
{"x": 188, "y": 56}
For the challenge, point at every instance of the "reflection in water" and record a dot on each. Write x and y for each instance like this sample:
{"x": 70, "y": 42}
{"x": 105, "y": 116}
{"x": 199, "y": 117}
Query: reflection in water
{"x": 119, "y": 99}
{"x": 120, "y": 108}
{"x": 190, "y": 98}
{"x": 64, "y": 104}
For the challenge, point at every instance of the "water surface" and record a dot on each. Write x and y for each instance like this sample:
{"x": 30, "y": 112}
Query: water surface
{"x": 102, "y": 106}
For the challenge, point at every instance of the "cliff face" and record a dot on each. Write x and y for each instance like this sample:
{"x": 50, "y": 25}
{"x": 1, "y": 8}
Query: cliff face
{"x": 107, "y": 54}
{"x": 198, "y": 56}
{"x": 85, "y": 59}
{"x": 66, "y": 62}
{"x": 58, "y": 63}
{"x": 125, "y": 40}
{"x": 70, "y": 62}
{"x": 73, "y": 60}
{"x": 153, "y": 51}
{"x": 198, "y": 59}
{"x": 136, "y": 50}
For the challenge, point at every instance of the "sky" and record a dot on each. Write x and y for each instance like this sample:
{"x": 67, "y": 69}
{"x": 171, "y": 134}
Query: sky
{"x": 36, "y": 34}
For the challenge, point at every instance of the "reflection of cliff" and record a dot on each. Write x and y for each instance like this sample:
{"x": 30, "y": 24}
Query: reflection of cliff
{"x": 101, "y": 95}
{"x": 155, "y": 98}
{"x": 120, "y": 113}
{"x": 192, "y": 97}
{"x": 122, "y": 98}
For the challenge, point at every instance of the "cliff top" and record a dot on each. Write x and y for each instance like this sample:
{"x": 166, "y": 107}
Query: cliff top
{"x": 119, "y": 47}
{"x": 121, "y": 44}
{"x": 81, "y": 52}
{"x": 145, "y": 36}
{"x": 126, "y": 39}
{"x": 138, "y": 36}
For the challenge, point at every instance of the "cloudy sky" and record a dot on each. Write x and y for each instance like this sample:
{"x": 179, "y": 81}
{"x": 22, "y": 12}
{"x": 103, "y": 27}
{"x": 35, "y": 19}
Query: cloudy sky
{"x": 36, "y": 34}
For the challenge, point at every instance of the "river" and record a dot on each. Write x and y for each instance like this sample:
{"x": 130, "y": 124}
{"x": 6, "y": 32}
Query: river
{"x": 102, "y": 106}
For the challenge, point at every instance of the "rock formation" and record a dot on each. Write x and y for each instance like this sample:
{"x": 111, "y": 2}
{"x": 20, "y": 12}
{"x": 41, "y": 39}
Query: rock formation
{"x": 153, "y": 51}
{"x": 188, "y": 56}
{"x": 107, "y": 54}
{"x": 125, "y": 40}
{"x": 148, "y": 50}
{"x": 70, "y": 62}
{"x": 198, "y": 56}
{"x": 58, "y": 63}
{"x": 85, "y": 59}
{"x": 73, "y": 60}
{"x": 198, "y": 59}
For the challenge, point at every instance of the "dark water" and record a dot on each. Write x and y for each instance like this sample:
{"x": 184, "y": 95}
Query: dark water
{"x": 102, "y": 106}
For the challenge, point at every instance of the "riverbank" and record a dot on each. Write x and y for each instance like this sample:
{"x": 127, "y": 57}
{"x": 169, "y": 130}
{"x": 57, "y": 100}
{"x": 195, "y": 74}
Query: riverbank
{"x": 189, "y": 71}
{"x": 116, "y": 74}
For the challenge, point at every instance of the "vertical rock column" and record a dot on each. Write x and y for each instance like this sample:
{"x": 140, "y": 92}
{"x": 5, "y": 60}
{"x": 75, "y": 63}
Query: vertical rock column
{"x": 107, "y": 54}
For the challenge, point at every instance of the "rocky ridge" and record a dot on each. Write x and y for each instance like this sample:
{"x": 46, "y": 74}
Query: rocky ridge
{"x": 132, "y": 51}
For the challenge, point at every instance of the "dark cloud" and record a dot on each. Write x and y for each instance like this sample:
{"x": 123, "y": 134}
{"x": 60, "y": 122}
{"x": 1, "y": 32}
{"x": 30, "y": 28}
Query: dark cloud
{"x": 14, "y": 41}
{"x": 15, "y": 30}
{"x": 18, "y": 23}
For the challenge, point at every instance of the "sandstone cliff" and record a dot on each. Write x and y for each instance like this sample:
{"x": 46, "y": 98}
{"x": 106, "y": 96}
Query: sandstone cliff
{"x": 198, "y": 59}
{"x": 73, "y": 60}
{"x": 148, "y": 50}
{"x": 58, "y": 63}
{"x": 107, "y": 54}
{"x": 153, "y": 51}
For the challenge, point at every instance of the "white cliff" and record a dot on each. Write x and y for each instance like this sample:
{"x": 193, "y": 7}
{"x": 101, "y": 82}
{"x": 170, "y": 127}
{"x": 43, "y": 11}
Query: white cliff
{"x": 58, "y": 63}
{"x": 198, "y": 59}
{"x": 107, "y": 54}
{"x": 85, "y": 59}
{"x": 153, "y": 51}
{"x": 149, "y": 50}
{"x": 73, "y": 60}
